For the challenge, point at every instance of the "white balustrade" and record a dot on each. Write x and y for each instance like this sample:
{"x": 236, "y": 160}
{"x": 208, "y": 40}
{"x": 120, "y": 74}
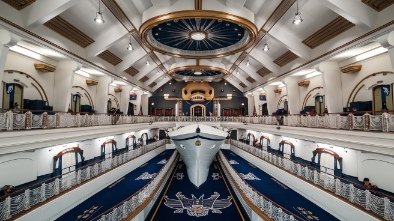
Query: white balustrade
{"x": 14, "y": 204}
{"x": 380, "y": 205}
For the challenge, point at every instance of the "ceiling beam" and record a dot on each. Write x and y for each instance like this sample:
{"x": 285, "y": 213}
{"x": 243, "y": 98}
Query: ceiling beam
{"x": 106, "y": 40}
{"x": 266, "y": 61}
{"x": 154, "y": 77}
{"x": 241, "y": 78}
{"x": 144, "y": 71}
{"x": 42, "y": 11}
{"x": 356, "y": 12}
{"x": 235, "y": 84}
{"x": 161, "y": 83}
{"x": 130, "y": 59}
{"x": 236, "y": 4}
{"x": 161, "y": 4}
{"x": 291, "y": 42}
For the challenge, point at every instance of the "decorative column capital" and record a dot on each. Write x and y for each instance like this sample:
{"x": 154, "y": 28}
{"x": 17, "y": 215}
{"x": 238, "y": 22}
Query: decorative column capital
{"x": 8, "y": 39}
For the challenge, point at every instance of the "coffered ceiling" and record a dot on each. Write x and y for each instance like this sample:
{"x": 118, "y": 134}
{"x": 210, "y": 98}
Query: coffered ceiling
{"x": 210, "y": 38}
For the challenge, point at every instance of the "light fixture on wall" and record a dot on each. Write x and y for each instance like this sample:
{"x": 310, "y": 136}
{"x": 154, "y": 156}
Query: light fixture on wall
{"x": 242, "y": 104}
{"x": 266, "y": 48}
{"x": 130, "y": 47}
{"x": 297, "y": 16}
{"x": 153, "y": 103}
{"x": 99, "y": 16}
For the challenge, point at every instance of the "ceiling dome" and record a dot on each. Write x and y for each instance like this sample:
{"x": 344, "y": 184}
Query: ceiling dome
{"x": 198, "y": 34}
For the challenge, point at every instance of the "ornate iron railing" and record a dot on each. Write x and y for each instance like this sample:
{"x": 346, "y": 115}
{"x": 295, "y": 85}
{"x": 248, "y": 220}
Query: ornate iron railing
{"x": 354, "y": 193}
{"x": 367, "y": 122}
{"x": 134, "y": 203}
{"x": 25, "y": 199}
{"x": 261, "y": 202}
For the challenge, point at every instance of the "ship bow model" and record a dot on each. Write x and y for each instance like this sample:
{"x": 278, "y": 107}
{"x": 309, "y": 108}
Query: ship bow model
{"x": 198, "y": 145}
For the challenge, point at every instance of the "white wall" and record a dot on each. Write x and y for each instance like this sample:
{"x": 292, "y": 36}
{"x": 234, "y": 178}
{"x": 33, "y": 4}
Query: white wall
{"x": 369, "y": 66}
{"x": 313, "y": 83}
{"x": 81, "y": 81}
{"x": 23, "y": 167}
{"x": 46, "y": 79}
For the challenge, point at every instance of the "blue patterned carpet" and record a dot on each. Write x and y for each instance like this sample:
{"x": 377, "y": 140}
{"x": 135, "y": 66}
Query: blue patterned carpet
{"x": 116, "y": 192}
{"x": 221, "y": 206}
{"x": 277, "y": 191}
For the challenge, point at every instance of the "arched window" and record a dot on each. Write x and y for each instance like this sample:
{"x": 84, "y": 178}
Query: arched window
{"x": 328, "y": 161}
{"x": 76, "y": 103}
{"x": 286, "y": 149}
{"x": 383, "y": 97}
{"x": 108, "y": 148}
{"x": 144, "y": 139}
{"x": 12, "y": 95}
{"x": 267, "y": 145}
{"x": 67, "y": 160}
{"x": 131, "y": 142}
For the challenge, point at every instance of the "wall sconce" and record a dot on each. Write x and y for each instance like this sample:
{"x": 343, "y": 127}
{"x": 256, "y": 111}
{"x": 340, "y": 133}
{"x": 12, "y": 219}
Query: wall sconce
{"x": 153, "y": 104}
{"x": 243, "y": 104}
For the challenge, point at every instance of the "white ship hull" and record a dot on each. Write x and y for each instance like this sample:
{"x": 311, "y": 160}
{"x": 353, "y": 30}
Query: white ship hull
{"x": 198, "y": 158}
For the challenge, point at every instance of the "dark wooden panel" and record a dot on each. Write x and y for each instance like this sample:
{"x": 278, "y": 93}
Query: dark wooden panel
{"x": 110, "y": 57}
{"x": 329, "y": 31}
{"x": 69, "y": 31}
{"x": 19, "y": 4}
{"x": 263, "y": 72}
{"x": 242, "y": 85}
{"x": 378, "y": 5}
{"x": 250, "y": 79}
{"x": 226, "y": 112}
{"x": 285, "y": 58}
{"x": 169, "y": 112}
{"x": 145, "y": 78}
{"x": 131, "y": 71}
{"x": 152, "y": 84}
{"x": 279, "y": 11}
{"x": 119, "y": 14}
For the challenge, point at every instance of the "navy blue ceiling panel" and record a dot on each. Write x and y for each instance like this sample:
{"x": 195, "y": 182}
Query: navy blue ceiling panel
{"x": 218, "y": 34}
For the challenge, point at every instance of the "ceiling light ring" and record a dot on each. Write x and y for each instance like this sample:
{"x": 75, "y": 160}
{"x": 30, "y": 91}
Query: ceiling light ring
{"x": 247, "y": 41}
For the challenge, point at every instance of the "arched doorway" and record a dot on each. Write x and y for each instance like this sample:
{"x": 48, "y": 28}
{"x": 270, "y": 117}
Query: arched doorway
{"x": 382, "y": 98}
{"x": 12, "y": 93}
{"x": 76, "y": 103}
{"x": 197, "y": 110}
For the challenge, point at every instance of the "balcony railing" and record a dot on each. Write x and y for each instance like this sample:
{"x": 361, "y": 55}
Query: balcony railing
{"x": 24, "y": 199}
{"x": 345, "y": 121}
{"x": 134, "y": 204}
{"x": 354, "y": 193}
{"x": 260, "y": 202}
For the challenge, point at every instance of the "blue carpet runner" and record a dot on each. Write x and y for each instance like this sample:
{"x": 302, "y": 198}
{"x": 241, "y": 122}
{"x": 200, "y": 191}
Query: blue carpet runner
{"x": 277, "y": 191}
{"x": 212, "y": 201}
{"x": 117, "y": 191}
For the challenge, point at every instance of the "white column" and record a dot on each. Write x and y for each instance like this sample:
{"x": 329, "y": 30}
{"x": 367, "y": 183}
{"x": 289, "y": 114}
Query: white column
{"x": 102, "y": 94}
{"x": 7, "y": 40}
{"x": 387, "y": 41}
{"x": 271, "y": 104}
{"x": 64, "y": 78}
{"x": 124, "y": 98}
{"x": 250, "y": 104}
{"x": 293, "y": 95}
{"x": 331, "y": 76}
{"x": 144, "y": 104}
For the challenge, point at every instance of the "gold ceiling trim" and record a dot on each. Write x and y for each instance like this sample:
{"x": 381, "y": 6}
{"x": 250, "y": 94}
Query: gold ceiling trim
{"x": 245, "y": 23}
{"x": 198, "y": 4}
{"x": 197, "y": 67}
